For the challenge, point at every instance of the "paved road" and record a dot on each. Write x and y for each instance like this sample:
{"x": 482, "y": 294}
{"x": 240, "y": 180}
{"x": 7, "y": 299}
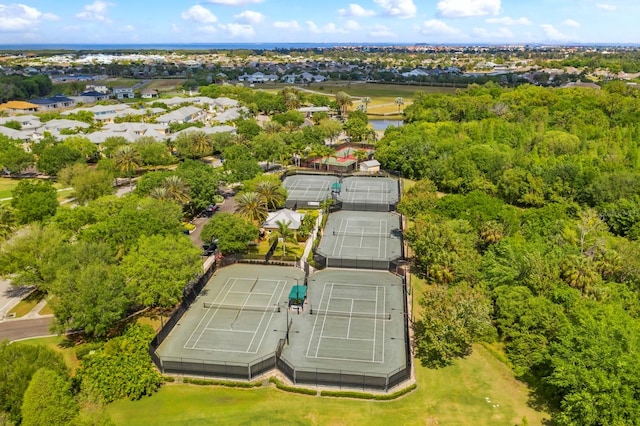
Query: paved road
{"x": 25, "y": 328}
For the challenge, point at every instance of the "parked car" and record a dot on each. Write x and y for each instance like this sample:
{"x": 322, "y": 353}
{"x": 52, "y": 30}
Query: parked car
{"x": 210, "y": 210}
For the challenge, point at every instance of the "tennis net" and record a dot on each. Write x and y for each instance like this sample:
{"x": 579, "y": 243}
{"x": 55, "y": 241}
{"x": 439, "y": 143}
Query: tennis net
{"x": 310, "y": 187}
{"x": 380, "y": 190}
{"x": 360, "y": 234}
{"x": 344, "y": 314}
{"x": 209, "y": 305}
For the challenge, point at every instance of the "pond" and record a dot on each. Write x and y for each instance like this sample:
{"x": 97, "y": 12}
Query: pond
{"x": 383, "y": 124}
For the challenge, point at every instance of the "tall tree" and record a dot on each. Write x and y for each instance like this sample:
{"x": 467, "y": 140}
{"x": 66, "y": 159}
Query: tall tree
{"x": 252, "y": 206}
{"x": 452, "y": 320}
{"x": 127, "y": 160}
{"x": 158, "y": 268}
{"x": 232, "y": 232}
{"x": 344, "y": 101}
{"x": 34, "y": 200}
{"x": 399, "y": 101}
{"x": 272, "y": 193}
{"x": 283, "y": 234}
{"x": 177, "y": 189}
{"x": 48, "y": 400}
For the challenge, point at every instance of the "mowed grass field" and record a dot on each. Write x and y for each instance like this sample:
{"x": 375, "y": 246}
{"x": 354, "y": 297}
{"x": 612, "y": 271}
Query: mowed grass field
{"x": 479, "y": 390}
{"x": 7, "y": 185}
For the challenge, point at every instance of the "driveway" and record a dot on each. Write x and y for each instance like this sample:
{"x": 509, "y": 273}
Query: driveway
{"x": 227, "y": 207}
{"x": 10, "y": 296}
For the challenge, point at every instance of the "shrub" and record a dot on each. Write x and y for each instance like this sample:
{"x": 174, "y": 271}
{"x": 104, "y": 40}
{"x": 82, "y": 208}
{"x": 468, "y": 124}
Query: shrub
{"x": 364, "y": 395}
{"x": 218, "y": 199}
{"x": 292, "y": 389}
{"x": 227, "y": 383}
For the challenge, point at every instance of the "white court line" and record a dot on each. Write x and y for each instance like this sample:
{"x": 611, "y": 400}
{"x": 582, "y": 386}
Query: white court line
{"x": 227, "y": 330}
{"x": 324, "y": 321}
{"x": 352, "y": 298}
{"x": 355, "y": 339}
{"x": 375, "y": 328}
{"x": 205, "y": 316}
{"x": 313, "y": 330}
{"x": 384, "y": 303}
{"x": 350, "y": 312}
{"x": 264, "y": 333}
{"x": 249, "y": 292}
{"x": 346, "y": 359}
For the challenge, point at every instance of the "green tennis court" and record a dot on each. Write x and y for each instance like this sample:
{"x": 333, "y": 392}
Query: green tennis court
{"x": 369, "y": 193}
{"x": 308, "y": 190}
{"x": 361, "y": 240}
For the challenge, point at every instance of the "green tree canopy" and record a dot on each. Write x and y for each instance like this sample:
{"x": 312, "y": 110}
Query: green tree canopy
{"x": 56, "y": 157}
{"x": 34, "y": 200}
{"x": 48, "y": 400}
{"x": 232, "y": 232}
{"x": 158, "y": 268}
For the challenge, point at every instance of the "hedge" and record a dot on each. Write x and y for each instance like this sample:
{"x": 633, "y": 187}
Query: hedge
{"x": 292, "y": 389}
{"x": 363, "y": 395}
{"x": 230, "y": 384}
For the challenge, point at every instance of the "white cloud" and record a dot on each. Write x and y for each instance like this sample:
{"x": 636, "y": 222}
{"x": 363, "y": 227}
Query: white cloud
{"x": 356, "y": 10}
{"x": 553, "y": 33}
{"x": 234, "y": 2}
{"x": 506, "y": 20}
{"x": 239, "y": 30}
{"x": 287, "y": 25}
{"x": 198, "y": 13}
{"x": 468, "y": 8}
{"x": 500, "y": 33}
{"x": 398, "y": 8}
{"x": 437, "y": 27}
{"x": 329, "y": 28}
{"x": 352, "y": 25}
{"x": 570, "y": 23}
{"x": 128, "y": 28}
{"x": 19, "y": 17}
{"x": 249, "y": 17}
{"x": 96, "y": 11}
{"x": 381, "y": 31}
{"x": 606, "y": 6}
{"x": 209, "y": 29}
{"x": 175, "y": 29}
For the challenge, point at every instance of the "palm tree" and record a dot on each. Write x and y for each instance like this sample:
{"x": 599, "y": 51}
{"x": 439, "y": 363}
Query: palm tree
{"x": 366, "y": 101}
{"x": 177, "y": 189}
{"x": 200, "y": 144}
{"x": 127, "y": 160}
{"x": 271, "y": 193}
{"x": 360, "y": 155}
{"x": 283, "y": 234}
{"x": 399, "y": 101}
{"x": 272, "y": 127}
{"x": 251, "y": 206}
{"x": 291, "y": 100}
{"x": 343, "y": 100}
{"x": 160, "y": 193}
{"x": 579, "y": 273}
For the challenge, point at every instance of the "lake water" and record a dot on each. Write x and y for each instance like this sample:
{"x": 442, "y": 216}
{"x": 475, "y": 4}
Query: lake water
{"x": 383, "y": 124}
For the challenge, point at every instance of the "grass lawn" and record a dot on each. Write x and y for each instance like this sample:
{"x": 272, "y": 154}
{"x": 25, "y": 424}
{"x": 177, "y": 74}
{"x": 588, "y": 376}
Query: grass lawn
{"x": 7, "y": 185}
{"x": 58, "y": 344}
{"x": 27, "y": 304}
{"x": 455, "y": 395}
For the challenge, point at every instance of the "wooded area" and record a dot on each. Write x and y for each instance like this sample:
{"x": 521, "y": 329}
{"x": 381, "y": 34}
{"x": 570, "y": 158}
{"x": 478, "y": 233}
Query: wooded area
{"x": 539, "y": 229}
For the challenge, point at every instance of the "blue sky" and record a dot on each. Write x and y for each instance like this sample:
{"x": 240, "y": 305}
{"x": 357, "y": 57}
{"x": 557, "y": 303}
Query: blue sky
{"x": 330, "y": 21}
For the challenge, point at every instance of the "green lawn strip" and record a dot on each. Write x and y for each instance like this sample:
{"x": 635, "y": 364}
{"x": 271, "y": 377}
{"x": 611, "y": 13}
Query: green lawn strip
{"x": 454, "y": 395}
{"x": 26, "y": 305}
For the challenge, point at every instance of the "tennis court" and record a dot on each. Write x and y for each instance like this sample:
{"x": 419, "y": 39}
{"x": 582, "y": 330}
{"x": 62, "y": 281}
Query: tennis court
{"x": 369, "y": 193}
{"x": 351, "y": 328}
{"x": 368, "y": 240}
{"x": 308, "y": 190}
{"x": 235, "y": 323}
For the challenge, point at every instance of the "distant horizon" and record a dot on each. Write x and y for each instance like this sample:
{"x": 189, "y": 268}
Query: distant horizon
{"x": 276, "y": 45}
{"x": 459, "y": 22}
